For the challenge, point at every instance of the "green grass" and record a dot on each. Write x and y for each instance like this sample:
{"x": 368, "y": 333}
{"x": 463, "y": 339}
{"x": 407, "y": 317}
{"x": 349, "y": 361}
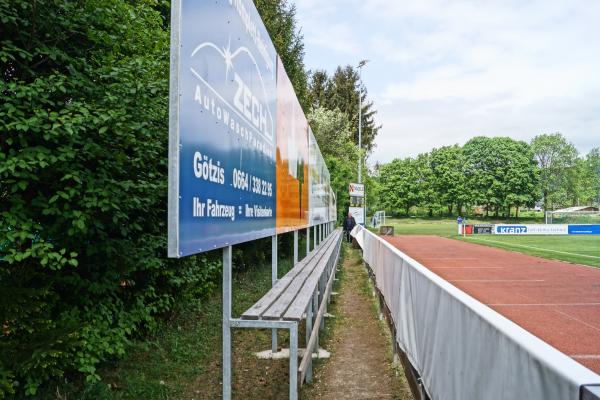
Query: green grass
{"x": 575, "y": 249}
{"x": 583, "y": 249}
{"x": 186, "y": 345}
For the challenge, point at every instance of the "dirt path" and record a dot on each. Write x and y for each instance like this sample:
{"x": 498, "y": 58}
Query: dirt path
{"x": 361, "y": 362}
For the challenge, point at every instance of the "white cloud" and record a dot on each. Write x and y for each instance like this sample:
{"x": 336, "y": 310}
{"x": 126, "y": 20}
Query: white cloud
{"x": 443, "y": 71}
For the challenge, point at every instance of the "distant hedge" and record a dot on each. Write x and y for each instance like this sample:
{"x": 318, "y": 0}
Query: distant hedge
{"x": 83, "y": 175}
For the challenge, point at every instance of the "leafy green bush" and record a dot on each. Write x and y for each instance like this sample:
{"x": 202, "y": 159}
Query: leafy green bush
{"x": 83, "y": 175}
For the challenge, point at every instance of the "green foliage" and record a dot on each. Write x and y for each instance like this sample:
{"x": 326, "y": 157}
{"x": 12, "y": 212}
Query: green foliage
{"x": 83, "y": 187}
{"x": 590, "y": 178}
{"x": 279, "y": 16}
{"x": 557, "y": 161}
{"x": 400, "y": 186}
{"x": 499, "y": 173}
{"x": 341, "y": 92}
{"x": 332, "y": 131}
{"x": 449, "y": 180}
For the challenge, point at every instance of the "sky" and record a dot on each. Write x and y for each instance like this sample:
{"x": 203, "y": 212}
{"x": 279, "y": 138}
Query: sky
{"x": 441, "y": 72}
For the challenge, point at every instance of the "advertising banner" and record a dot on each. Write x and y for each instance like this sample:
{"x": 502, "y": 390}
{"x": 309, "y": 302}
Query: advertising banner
{"x": 241, "y": 164}
{"x": 584, "y": 229}
{"x": 358, "y": 213}
{"x": 319, "y": 183}
{"x": 482, "y": 229}
{"x": 530, "y": 229}
{"x": 292, "y": 157}
{"x": 356, "y": 189}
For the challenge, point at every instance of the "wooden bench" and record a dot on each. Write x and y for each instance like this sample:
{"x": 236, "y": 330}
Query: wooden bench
{"x": 303, "y": 292}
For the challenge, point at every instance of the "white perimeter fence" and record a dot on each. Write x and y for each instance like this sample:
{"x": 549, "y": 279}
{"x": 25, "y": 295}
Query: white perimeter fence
{"x": 462, "y": 349}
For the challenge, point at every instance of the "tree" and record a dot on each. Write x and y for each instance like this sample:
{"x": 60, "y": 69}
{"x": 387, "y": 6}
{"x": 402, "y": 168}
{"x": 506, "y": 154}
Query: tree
{"x": 317, "y": 89}
{"x": 556, "y": 159}
{"x": 279, "y": 17}
{"x": 399, "y": 185}
{"x": 590, "y": 177}
{"x": 449, "y": 179}
{"x": 83, "y": 184}
{"x": 501, "y": 172}
{"x": 332, "y": 132}
{"x": 425, "y": 177}
{"x": 341, "y": 92}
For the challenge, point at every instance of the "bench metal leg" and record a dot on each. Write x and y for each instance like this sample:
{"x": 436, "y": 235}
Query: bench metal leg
{"x": 273, "y": 281}
{"x": 295, "y": 247}
{"x": 226, "y": 321}
{"x": 294, "y": 362}
{"x": 322, "y": 284}
{"x": 309, "y": 321}
{"x": 315, "y": 305}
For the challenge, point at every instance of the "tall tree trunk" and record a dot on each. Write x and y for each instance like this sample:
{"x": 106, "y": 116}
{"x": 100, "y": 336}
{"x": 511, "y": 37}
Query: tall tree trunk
{"x": 450, "y": 209}
{"x": 517, "y": 212}
{"x": 508, "y": 213}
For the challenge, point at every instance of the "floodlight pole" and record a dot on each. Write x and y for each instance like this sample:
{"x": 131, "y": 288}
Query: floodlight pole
{"x": 364, "y": 205}
{"x": 360, "y": 65}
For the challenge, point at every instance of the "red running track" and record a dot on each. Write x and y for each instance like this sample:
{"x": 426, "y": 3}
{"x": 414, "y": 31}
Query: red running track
{"x": 556, "y": 301}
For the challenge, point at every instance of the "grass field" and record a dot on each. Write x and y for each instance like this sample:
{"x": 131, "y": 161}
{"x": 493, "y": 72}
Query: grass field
{"x": 583, "y": 249}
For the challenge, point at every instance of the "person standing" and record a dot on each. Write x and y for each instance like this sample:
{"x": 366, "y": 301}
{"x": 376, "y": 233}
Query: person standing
{"x": 349, "y": 223}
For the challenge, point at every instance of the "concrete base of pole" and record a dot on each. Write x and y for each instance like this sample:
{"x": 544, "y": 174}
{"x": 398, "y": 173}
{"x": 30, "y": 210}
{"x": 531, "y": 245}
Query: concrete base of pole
{"x": 285, "y": 354}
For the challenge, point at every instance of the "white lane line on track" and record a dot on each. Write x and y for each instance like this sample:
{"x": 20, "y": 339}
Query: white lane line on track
{"x": 449, "y": 258}
{"x": 533, "y": 247}
{"x": 545, "y": 304}
{"x": 436, "y": 268}
{"x": 578, "y": 320}
{"x": 586, "y": 356}
{"x": 496, "y": 280}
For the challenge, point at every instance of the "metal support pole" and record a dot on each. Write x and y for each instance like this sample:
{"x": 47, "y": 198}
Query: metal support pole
{"x": 295, "y": 247}
{"x": 309, "y": 320}
{"x": 294, "y": 362}
{"x": 226, "y": 321}
{"x": 315, "y": 306}
{"x": 273, "y": 281}
{"x": 307, "y": 240}
{"x": 315, "y": 236}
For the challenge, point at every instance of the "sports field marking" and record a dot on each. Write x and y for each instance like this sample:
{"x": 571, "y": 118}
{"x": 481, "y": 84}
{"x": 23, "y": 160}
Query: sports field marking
{"x": 469, "y": 268}
{"x": 535, "y": 248}
{"x": 496, "y": 280}
{"x": 586, "y": 356}
{"x": 577, "y": 319}
{"x": 448, "y": 258}
{"x": 546, "y": 304}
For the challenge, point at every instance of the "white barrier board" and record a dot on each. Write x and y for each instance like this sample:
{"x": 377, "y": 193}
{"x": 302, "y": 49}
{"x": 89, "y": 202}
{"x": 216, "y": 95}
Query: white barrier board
{"x": 463, "y": 349}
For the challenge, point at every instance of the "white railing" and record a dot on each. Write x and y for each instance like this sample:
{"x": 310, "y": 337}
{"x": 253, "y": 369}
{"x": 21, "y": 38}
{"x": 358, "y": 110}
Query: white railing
{"x": 461, "y": 348}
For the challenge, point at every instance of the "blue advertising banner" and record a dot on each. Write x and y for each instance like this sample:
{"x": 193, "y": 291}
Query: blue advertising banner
{"x": 584, "y": 229}
{"x": 223, "y": 121}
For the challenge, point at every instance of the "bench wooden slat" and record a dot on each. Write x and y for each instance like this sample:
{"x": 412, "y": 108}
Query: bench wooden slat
{"x": 298, "y": 306}
{"x": 281, "y": 286}
{"x": 279, "y": 307}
